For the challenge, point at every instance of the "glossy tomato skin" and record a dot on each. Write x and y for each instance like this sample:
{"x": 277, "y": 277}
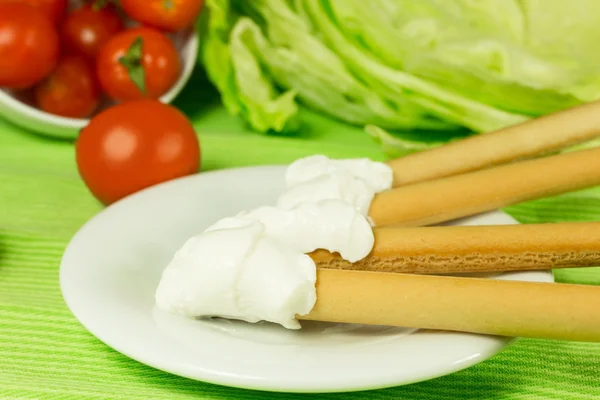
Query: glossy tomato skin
{"x": 160, "y": 61}
{"x": 134, "y": 145}
{"x": 86, "y": 29}
{"x": 53, "y": 9}
{"x": 72, "y": 89}
{"x": 167, "y": 15}
{"x": 29, "y": 46}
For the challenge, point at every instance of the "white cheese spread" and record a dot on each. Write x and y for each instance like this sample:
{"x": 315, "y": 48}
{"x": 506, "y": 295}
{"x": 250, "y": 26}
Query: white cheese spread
{"x": 254, "y": 267}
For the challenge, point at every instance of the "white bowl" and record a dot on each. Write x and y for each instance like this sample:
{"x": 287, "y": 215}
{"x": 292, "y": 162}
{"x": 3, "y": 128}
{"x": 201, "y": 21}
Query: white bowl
{"x": 21, "y": 112}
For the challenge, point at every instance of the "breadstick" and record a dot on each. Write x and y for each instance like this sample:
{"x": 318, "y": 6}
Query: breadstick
{"x": 532, "y": 138}
{"x": 506, "y": 308}
{"x": 468, "y": 249}
{"x": 458, "y": 196}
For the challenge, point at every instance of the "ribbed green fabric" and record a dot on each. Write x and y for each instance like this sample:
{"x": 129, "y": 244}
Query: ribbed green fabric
{"x": 46, "y": 354}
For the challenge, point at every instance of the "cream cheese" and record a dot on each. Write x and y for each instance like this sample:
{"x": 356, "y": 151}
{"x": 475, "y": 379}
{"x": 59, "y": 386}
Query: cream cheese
{"x": 354, "y": 181}
{"x": 239, "y": 272}
{"x": 254, "y": 266}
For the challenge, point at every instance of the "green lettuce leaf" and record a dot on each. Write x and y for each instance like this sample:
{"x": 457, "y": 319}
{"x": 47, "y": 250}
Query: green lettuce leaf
{"x": 229, "y": 55}
{"x": 215, "y": 53}
{"x": 424, "y": 66}
{"x": 297, "y": 58}
{"x": 462, "y": 46}
{"x": 397, "y": 84}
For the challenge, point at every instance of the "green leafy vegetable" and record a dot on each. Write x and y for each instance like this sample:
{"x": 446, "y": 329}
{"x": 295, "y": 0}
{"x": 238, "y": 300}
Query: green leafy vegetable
{"x": 233, "y": 65}
{"x": 395, "y": 66}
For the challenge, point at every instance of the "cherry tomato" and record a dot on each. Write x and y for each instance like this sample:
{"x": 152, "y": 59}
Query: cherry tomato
{"x": 134, "y": 145}
{"x": 29, "y": 46}
{"x": 71, "y": 90}
{"x": 168, "y": 15}
{"x": 138, "y": 63}
{"x": 54, "y": 9}
{"x": 88, "y": 28}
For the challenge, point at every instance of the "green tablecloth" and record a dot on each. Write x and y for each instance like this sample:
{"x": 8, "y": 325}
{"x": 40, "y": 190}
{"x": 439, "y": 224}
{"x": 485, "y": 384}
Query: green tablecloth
{"x": 46, "y": 354}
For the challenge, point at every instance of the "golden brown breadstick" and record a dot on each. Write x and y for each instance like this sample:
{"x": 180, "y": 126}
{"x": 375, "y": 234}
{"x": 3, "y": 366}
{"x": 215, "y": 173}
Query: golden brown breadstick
{"x": 458, "y": 196}
{"x": 506, "y": 308}
{"x": 534, "y": 137}
{"x": 468, "y": 249}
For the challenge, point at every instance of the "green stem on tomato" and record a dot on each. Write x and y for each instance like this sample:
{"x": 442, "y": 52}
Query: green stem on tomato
{"x": 132, "y": 61}
{"x": 100, "y": 4}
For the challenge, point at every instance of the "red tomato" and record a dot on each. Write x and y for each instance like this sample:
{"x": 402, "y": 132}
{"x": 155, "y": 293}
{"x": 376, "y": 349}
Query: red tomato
{"x": 54, "y": 9}
{"x": 29, "y": 46}
{"x": 71, "y": 90}
{"x": 88, "y": 28}
{"x": 138, "y": 63}
{"x": 168, "y": 15}
{"x": 135, "y": 145}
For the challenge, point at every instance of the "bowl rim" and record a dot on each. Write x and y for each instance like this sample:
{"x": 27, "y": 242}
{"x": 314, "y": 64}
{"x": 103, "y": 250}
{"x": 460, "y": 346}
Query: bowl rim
{"x": 189, "y": 61}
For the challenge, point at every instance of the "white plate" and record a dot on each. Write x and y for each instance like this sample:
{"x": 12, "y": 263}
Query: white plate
{"x": 112, "y": 266}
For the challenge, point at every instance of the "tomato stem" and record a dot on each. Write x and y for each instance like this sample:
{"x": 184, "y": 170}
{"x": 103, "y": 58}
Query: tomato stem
{"x": 132, "y": 61}
{"x": 168, "y": 4}
{"x": 100, "y": 4}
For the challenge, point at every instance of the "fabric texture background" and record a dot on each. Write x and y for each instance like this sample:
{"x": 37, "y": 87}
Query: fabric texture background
{"x": 46, "y": 354}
